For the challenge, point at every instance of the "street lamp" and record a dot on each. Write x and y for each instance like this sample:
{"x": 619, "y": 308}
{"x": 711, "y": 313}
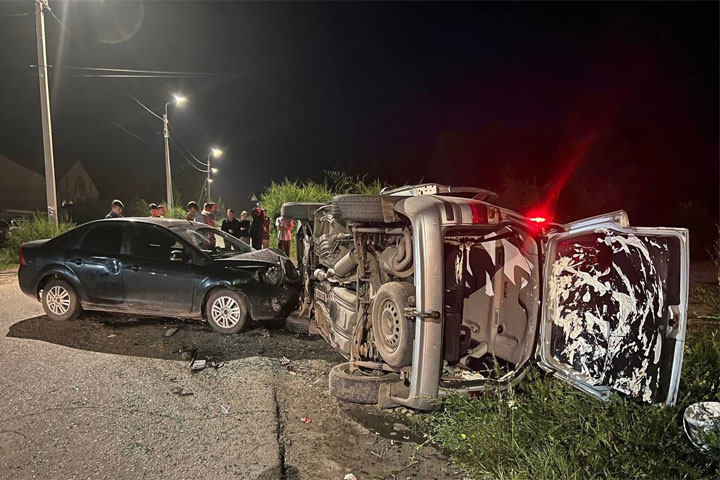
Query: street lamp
{"x": 178, "y": 100}
{"x": 214, "y": 153}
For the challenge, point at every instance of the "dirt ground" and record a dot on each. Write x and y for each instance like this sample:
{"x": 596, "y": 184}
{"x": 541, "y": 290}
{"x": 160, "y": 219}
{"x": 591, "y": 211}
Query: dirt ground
{"x": 113, "y": 397}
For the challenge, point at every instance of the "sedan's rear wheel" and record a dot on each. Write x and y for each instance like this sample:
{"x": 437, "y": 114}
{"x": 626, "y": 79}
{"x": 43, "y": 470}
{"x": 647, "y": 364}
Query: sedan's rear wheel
{"x": 226, "y": 311}
{"x": 60, "y": 301}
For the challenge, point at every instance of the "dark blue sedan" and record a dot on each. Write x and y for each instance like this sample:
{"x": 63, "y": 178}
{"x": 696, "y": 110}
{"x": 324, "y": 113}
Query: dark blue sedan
{"x": 166, "y": 267}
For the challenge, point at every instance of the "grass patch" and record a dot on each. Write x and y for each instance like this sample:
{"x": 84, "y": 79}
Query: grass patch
{"x": 545, "y": 429}
{"x": 35, "y": 228}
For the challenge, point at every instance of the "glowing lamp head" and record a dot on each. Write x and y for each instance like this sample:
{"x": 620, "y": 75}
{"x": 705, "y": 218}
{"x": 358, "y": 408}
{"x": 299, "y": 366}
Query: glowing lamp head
{"x": 179, "y": 99}
{"x": 214, "y": 170}
{"x": 216, "y": 152}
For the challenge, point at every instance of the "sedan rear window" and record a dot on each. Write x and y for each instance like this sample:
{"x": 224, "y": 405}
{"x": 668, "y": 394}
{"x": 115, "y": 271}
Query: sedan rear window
{"x": 103, "y": 239}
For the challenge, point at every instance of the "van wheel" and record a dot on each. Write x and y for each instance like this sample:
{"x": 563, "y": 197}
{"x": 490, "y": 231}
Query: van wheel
{"x": 392, "y": 330}
{"x": 357, "y": 387}
{"x": 226, "y": 311}
{"x": 297, "y": 323}
{"x": 60, "y": 301}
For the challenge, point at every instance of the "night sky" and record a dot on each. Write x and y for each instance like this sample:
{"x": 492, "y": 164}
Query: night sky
{"x": 615, "y": 98}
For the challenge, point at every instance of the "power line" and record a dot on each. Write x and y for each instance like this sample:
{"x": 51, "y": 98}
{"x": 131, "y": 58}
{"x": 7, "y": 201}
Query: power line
{"x": 129, "y": 132}
{"x": 186, "y": 159}
{"x": 186, "y": 149}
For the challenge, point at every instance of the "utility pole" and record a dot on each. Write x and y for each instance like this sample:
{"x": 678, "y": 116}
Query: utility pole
{"x": 50, "y": 191}
{"x": 168, "y": 173}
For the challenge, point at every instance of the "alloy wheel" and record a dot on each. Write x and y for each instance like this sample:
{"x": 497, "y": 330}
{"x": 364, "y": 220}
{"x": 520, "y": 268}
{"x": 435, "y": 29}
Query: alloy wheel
{"x": 226, "y": 312}
{"x": 58, "y": 300}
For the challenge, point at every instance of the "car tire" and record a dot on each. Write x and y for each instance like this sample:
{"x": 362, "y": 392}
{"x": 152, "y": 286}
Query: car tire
{"x": 366, "y": 208}
{"x": 297, "y": 324}
{"x": 393, "y": 332}
{"x": 300, "y": 211}
{"x": 60, "y": 301}
{"x": 356, "y": 387}
{"x": 226, "y": 311}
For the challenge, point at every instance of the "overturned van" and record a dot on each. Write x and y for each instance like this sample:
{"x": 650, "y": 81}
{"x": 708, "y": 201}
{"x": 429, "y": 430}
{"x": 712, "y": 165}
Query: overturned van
{"x": 428, "y": 289}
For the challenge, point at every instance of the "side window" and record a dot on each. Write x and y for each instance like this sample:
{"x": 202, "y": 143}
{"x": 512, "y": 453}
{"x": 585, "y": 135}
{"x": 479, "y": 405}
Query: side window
{"x": 153, "y": 243}
{"x": 103, "y": 239}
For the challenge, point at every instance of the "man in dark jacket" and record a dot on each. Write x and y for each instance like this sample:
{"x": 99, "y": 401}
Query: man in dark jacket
{"x": 231, "y": 224}
{"x": 244, "y": 227}
{"x": 116, "y": 209}
{"x": 256, "y": 229}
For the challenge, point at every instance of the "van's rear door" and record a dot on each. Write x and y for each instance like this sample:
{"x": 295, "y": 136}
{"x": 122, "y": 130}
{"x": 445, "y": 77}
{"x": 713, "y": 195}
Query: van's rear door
{"x": 614, "y": 308}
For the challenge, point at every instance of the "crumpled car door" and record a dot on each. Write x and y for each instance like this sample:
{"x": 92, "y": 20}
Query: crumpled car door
{"x": 614, "y": 308}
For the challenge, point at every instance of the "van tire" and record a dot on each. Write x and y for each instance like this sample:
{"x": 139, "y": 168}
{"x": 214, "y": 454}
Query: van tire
{"x": 304, "y": 212}
{"x": 393, "y": 332}
{"x": 366, "y": 208}
{"x": 356, "y": 387}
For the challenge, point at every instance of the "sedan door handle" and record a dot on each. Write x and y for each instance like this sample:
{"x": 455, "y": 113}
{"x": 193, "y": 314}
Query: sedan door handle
{"x": 134, "y": 268}
{"x": 78, "y": 261}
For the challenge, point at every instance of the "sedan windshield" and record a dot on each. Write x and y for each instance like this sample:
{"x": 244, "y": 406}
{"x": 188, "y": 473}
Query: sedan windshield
{"x": 212, "y": 241}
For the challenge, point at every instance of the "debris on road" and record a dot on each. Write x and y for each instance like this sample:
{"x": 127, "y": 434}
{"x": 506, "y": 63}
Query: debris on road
{"x": 111, "y": 335}
{"x": 180, "y": 392}
{"x": 284, "y": 361}
{"x": 197, "y": 365}
{"x": 225, "y": 409}
{"x": 349, "y": 476}
{"x": 171, "y": 331}
{"x": 306, "y": 420}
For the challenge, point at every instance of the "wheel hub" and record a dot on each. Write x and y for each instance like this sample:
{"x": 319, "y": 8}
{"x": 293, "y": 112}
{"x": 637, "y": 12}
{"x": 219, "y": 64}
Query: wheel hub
{"x": 58, "y": 300}
{"x": 390, "y": 321}
{"x": 226, "y": 312}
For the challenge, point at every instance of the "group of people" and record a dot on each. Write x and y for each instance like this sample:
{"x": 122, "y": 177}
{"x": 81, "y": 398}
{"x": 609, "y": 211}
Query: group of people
{"x": 252, "y": 228}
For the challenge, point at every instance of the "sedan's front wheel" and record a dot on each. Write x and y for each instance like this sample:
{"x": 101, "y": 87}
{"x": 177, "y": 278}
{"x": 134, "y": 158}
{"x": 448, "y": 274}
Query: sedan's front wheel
{"x": 226, "y": 311}
{"x": 60, "y": 301}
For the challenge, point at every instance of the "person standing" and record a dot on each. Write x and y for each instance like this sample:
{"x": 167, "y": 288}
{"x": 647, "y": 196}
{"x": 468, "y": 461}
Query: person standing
{"x": 284, "y": 227}
{"x": 154, "y": 210}
{"x": 266, "y": 230}
{"x": 116, "y": 209}
{"x": 209, "y": 210}
{"x": 256, "y": 228}
{"x": 231, "y": 224}
{"x": 244, "y": 228}
{"x": 194, "y": 214}
{"x": 162, "y": 210}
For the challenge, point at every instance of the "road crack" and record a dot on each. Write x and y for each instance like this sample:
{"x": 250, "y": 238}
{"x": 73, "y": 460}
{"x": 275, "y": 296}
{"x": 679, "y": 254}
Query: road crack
{"x": 280, "y": 428}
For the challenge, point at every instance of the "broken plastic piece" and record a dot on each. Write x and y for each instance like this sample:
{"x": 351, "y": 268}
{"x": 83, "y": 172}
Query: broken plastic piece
{"x": 349, "y": 476}
{"x": 180, "y": 391}
{"x": 306, "y": 420}
{"x": 284, "y": 361}
{"x": 197, "y": 365}
{"x": 171, "y": 331}
{"x": 225, "y": 409}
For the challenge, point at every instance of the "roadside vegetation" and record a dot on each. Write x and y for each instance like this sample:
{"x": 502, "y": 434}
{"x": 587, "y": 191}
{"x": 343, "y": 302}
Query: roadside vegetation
{"x": 310, "y": 191}
{"x": 546, "y": 429}
{"x": 28, "y": 229}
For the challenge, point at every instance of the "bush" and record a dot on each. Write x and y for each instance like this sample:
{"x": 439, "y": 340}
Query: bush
{"x": 547, "y": 429}
{"x": 35, "y": 228}
{"x": 309, "y": 191}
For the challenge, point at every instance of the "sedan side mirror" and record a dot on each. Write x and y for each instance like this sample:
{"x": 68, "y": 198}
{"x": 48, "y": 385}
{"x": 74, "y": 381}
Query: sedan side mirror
{"x": 177, "y": 256}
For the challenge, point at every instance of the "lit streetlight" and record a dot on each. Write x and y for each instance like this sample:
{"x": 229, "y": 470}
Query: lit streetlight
{"x": 177, "y": 100}
{"x": 214, "y": 153}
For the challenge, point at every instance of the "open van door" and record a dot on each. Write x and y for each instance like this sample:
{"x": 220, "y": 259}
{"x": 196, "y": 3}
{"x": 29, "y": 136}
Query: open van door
{"x": 614, "y": 308}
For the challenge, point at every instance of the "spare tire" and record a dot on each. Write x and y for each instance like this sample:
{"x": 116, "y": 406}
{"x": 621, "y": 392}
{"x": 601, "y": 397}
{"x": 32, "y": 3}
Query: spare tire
{"x": 297, "y": 324}
{"x": 394, "y": 333}
{"x": 300, "y": 211}
{"x": 356, "y": 387}
{"x": 366, "y": 208}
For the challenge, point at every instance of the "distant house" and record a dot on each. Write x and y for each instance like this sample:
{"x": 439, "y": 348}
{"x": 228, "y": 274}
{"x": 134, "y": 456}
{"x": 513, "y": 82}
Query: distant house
{"x": 76, "y": 186}
{"x": 22, "y": 188}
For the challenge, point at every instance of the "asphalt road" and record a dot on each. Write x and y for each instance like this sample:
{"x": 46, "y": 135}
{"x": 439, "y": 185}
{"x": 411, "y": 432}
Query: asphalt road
{"x": 99, "y": 398}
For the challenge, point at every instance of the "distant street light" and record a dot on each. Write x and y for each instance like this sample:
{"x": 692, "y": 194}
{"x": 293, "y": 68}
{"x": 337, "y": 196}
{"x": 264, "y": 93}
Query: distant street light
{"x": 214, "y": 153}
{"x": 178, "y": 100}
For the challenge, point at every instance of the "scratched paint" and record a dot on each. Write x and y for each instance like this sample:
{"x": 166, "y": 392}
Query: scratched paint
{"x": 606, "y": 304}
